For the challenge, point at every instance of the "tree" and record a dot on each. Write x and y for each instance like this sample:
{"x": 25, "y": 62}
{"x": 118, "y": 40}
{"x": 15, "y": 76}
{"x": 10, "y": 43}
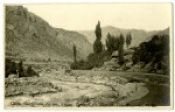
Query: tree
{"x": 109, "y": 42}
{"x": 112, "y": 43}
{"x": 98, "y": 31}
{"x": 121, "y": 51}
{"x": 154, "y": 52}
{"x": 128, "y": 39}
{"x": 98, "y": 46}
{"x": 21, "y": 70}
{"x": 121, "y": 40}
{"x": 75, "y": 53}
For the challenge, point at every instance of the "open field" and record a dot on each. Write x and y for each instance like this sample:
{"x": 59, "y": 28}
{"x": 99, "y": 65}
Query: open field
{"x": 57, "y": 88}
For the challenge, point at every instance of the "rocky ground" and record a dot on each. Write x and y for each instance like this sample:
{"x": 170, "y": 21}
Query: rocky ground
{"x": 57, "y": 88}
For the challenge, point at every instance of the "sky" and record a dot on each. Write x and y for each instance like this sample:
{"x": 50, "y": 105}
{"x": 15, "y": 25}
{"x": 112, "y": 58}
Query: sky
{"x": 150, "y": 16}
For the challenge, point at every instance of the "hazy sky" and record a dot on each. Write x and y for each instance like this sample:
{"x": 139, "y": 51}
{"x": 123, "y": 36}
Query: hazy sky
{"x": 85, "y": 16}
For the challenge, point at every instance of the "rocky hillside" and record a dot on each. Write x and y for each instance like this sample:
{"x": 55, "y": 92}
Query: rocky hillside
{"x": 137, "y": 34}
{"x": 84, "y": 47}
{"x": 29, "y": 36}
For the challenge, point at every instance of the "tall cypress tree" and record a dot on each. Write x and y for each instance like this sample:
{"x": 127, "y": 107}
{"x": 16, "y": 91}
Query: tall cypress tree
{"x": 21, "y": 70}
{"x": 121, "y": 50}
{"x": 97, "y": 46}
{"x": 128, "y": 39}
{"x": 75, "y": 53}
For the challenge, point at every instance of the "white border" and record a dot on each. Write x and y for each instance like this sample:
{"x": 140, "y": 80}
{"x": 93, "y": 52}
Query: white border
{"x": 73, "y": 108}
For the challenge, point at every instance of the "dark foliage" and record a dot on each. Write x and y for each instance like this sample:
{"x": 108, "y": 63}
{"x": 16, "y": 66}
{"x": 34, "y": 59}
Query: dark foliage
{"x": 75, "y": 53}
{"x": 31, "y": 72}
{"x": 94, "y": 60}
{"x": 10, "y": 67}
{"x": 128, "y": 39}
{"x": 155, "y": 51}
{"x": 121, "y": 40}
{"x": 98, "y": 31}
{"x": 21, "y": 69}
{"x": 121, "y": 50}
{"x": 98, "y": 60}
{"x": 49, "y": 60}
{"x": 112, "y": 43}
{"x": 17, "y": 69}
{"x": 98, "y": 46}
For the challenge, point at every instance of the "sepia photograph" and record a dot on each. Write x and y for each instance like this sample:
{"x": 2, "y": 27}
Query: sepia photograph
{"x": 88, "y": 55}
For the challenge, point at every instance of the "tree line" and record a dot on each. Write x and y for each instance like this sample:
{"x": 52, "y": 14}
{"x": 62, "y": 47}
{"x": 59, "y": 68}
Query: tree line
{"x": 100, "y": 54}
{"x": 154, "y": 52}
{"x": 18, "y": 69}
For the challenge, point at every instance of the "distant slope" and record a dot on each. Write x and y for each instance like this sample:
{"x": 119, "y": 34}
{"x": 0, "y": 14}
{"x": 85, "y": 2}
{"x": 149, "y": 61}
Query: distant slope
{"x": 162, "y": 32}
{"x": 138, "y": 35}
{"x": 84, "y": 47}
{"x": 29, "y": 36}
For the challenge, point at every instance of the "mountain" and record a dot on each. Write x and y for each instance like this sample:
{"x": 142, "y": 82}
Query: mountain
{"x": 29, "y": 36}
{"x": 138, "y": 35}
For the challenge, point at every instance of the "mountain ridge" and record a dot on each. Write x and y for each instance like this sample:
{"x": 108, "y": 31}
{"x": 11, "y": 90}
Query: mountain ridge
{"x": 139, "y": 35}
{"x": 29, "y": 36}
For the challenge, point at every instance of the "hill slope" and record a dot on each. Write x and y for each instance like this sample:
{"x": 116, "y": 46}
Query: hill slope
{"x": 137, "y": 35}
{"x": 29, "y": 36}
{"x": 84, "y": 47}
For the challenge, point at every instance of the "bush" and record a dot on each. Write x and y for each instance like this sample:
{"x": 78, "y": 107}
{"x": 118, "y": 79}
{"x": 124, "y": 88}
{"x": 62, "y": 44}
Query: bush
{"x": 98, "y": 60}
{"x": 31, "y": 72}
{"x": 155, "y": 51}
{"x": 94, "y": 60}
{"x": 14, "y": 68}
{"x": 21, "y": 69}
{"x": 10, "y": 67}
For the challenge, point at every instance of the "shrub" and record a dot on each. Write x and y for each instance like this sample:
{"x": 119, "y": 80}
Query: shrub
{"x": 49, "y": 60}
{"x": 94, "y": 60}
{"x": 74, "y": 66}
{"x": 14, "y": 68}
{"x": 31, "y": 72}
{"x": 21, "y": 69}
{"x": 155, "y": 51}
{"x": 98, "y": 60}
{"x": 10, "y": 67}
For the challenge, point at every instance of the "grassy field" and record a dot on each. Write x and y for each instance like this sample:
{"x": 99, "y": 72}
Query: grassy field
{"x": 57, "y": 88}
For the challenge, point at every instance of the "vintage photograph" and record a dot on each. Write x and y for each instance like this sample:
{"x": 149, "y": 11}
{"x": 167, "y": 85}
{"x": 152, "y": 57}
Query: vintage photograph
{"x": 87, "y": 55}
